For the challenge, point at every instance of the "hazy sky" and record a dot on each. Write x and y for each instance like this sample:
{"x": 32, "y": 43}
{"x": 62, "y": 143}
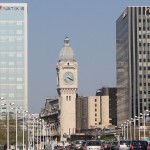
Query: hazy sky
{"x": 91, "y": 27}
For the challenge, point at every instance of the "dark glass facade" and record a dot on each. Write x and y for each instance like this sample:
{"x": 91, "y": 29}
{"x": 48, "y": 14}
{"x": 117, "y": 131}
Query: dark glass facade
{"x": 133, "y": 63}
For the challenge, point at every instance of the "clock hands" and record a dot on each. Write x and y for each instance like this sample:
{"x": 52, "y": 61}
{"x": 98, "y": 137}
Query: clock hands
{"x": 70, "y": 78}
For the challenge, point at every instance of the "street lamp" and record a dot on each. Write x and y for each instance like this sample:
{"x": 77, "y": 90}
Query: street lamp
{"x": 127, "y": 128}
{"x": 40, "y": 132}
{"x": 16, "y": 109}
{"x": 122, "y": 130}
{"x": 7, "y": 122}
{"x": 33, "y": 130}
{"x": 24, "y": 111}
{"x": 144, "y": 117}
{"x": 124, "y": 136}
{"x": 134, "y": 121}
{"x": 130, "y": 129}
{"x": 139, "y": 125}
{"x": 37, "y": 132}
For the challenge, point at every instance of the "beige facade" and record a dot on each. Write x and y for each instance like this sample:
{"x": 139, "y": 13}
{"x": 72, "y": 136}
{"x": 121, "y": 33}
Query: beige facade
{"x": 105, "y": 111}
{"x": 93, "y": 111}
{"x": 98, "y": 111}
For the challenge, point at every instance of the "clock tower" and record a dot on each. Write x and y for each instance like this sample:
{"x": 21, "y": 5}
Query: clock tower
{"x": 67, "y": 84}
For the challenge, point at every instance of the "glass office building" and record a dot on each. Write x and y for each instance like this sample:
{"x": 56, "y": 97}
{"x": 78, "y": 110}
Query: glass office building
{"x": 133, "y": 62}
{"x": 13, "y": 54}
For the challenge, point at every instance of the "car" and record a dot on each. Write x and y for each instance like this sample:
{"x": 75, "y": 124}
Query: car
{"x": 82, "y": 145}
{"x": 92, "y": 144}
{"x": 138, "y": 144}
{"x": 124, "y": 145}
{"x": 78, "y": 144}
{"x": 114, "y": 145}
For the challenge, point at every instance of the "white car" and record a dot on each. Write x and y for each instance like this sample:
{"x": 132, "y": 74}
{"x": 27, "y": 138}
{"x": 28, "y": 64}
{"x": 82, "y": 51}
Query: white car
{"x": 92, "y": 144}
{"x": 124, "y": 145}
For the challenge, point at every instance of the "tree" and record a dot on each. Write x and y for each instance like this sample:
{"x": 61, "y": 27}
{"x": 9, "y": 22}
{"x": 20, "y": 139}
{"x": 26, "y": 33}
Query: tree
{"x": 12, "y": 131}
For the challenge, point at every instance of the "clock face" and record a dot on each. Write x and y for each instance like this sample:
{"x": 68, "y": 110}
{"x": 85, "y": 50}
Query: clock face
{"x": 68, "y": 77}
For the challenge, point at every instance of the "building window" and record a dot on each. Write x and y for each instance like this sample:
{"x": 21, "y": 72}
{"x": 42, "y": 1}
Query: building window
{"x": 69, "y": 98}
{"x": 95, "y": 114}
{"x": 66, "y": 98}
{"x": 140, "y": 92}
{"x": 95, "y": 119}
{"x": 95, "y": 110}
{"x": 95, "y": 100}
{"x": 95, "y": 105}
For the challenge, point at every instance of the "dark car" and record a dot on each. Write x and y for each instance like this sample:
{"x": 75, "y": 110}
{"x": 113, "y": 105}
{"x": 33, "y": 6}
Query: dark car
{"x": 114, "y": 145}
{"x": 78, "y": 144}
{"x": 138, "y": 144}
{"x": 82, "y": 145}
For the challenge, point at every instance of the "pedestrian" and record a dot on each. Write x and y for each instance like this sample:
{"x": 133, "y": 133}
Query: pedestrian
{"x": 148, "y": 146}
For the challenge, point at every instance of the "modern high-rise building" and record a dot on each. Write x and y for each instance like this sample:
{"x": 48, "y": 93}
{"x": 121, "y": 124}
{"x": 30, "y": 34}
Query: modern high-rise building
{"x": 13, "y": 54}
{"x": 133, "y": 62}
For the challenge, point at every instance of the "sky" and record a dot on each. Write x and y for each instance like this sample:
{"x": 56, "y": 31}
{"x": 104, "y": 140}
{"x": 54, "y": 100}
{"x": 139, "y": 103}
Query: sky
{"x": 91, "y": 28}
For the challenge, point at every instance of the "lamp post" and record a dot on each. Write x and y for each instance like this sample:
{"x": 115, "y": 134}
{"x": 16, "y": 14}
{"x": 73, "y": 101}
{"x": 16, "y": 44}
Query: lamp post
{"x": 127, "y": 129}
{"x": 40, "y": 132}
{"x": 33, "y": 133}
{"x": 144, "y": 119}
{"x": 122, "y": 130}
{"x": 130, "y": 129}
{"x": 24, "y": 112}
{"x": 143, "y": 122}
{"x": 139, "y": 123}
{"x": 16, "y": 110}
{"x": 37, "y": 132}
{"x": 43, "y": 127}
{"x": 7, "y": 122}
{"x": 28, "y": 132}
{"x": 134, "y": 119}
{"x": 124, "y": 136}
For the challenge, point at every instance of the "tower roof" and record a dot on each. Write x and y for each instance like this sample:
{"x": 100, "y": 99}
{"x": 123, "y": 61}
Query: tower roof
{"x": 66, "y": 52}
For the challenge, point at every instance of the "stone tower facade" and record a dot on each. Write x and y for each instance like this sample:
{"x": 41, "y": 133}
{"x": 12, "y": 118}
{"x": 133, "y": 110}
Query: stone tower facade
{"x": 67, "y": 84}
